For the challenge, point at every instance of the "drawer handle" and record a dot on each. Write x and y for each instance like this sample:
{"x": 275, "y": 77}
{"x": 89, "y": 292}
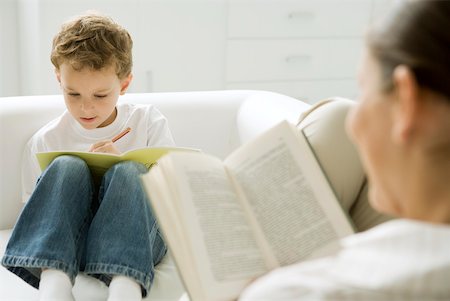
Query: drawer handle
{"x": 297, "y": 59}
{"x": 301, "y": 15}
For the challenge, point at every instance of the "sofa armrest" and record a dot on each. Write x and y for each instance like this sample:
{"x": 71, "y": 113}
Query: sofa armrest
{"x": 261, "y": 111}
{"x": 18, "y": 121}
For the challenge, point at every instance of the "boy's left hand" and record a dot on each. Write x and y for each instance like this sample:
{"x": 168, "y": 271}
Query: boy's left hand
{"x": 105, "y": 146}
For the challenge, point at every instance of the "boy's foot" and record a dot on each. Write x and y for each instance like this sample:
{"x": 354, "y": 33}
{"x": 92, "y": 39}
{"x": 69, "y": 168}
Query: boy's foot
{"x": 124, "y": 288}
{"x": 55, "y": 285}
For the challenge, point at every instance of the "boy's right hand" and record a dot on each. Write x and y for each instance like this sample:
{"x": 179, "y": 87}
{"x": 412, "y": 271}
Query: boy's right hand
{"x": 105, "y": 146}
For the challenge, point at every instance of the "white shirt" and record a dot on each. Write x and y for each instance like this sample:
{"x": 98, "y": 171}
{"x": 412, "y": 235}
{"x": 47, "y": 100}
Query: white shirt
{"x": 398, "y": 260}
{"x": 148, "y": 128}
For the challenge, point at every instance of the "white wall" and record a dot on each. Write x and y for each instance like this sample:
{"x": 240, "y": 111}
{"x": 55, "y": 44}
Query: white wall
{"x": 178, "y": 44}
{"x": 183, "y": 45}
{"x": 9, "y": 73}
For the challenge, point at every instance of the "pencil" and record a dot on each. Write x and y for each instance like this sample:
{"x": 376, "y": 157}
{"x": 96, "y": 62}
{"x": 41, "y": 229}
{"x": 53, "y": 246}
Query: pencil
{"x": 121, "y": 134}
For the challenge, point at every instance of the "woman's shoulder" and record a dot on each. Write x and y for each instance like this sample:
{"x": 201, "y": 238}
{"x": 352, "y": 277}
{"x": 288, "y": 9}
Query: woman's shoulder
{"x": 402, "y": 235}
{"x": 405, "y": 226}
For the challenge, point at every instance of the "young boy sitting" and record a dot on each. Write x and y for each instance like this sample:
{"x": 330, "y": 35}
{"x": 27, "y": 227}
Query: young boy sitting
{"x": 72, "y": 223}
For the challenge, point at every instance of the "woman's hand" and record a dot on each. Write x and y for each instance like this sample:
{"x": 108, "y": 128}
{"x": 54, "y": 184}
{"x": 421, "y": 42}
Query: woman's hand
{"x": 105, "y": 146}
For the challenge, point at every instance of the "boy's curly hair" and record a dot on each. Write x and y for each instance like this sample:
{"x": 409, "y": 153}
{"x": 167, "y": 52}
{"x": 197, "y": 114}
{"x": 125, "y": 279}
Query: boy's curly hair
{"x": 93, "y": 41}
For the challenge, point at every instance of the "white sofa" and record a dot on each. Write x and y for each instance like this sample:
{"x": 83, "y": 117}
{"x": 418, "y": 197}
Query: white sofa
{"x": 214, "y": 121}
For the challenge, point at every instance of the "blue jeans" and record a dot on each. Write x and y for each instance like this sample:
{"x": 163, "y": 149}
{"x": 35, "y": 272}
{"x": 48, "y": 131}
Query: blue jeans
{"x": 71, "y": 225}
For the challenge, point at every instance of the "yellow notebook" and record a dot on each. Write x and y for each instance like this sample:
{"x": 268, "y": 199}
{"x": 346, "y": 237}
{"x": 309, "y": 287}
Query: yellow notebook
{"x": 99, "y": 163}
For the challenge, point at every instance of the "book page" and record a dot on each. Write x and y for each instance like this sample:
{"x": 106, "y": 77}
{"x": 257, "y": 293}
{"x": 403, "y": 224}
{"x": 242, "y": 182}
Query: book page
{"x": 148, "y": 156}
{"x": 227, "y": 256}
{"x": 290, "y": 198}
{"x": 160, "y": 187}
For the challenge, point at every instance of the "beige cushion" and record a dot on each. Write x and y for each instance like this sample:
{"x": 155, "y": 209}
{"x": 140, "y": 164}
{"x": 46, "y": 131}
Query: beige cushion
{"x": 324, "y": 126}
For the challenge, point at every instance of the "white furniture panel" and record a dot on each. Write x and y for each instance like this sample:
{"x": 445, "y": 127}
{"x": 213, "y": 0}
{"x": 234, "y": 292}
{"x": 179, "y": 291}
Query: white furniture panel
{"x": 381, "y": 8}
{"x": 263, "y": 60}
{"x": 180, "y": 46}
{"x": 297, "y": 18}
{"x": 307, "y": 49}
{"x": 307, "y": 91}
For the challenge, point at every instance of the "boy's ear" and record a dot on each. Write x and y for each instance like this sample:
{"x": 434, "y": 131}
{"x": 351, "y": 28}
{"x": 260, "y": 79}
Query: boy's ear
{"x": 408, "y": 103}
{"x": 125, "y": 83}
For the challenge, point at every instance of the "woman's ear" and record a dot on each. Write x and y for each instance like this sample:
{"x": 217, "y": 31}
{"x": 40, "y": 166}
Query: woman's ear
{"x": 408, "y": 103}
{"x": 125, "y": 83}
{"x": 58, "y": 75}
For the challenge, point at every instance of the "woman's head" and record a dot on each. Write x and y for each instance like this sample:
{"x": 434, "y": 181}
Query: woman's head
{"x": 402, "y": 123}
{"x": 416, "y": 35}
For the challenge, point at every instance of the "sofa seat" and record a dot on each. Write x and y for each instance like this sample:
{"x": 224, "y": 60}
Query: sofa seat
{"x": 167, "y": 285}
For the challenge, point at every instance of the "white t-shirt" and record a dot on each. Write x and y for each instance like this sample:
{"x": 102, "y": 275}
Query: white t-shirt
{"x": 397, "y": 260}
{"x": 148, "y": 128}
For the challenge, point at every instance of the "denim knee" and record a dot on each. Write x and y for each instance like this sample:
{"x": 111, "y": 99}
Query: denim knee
{"x": 126, "y": 170}
{"x": 62, "y": 176}
{"x": 71, "y": 167}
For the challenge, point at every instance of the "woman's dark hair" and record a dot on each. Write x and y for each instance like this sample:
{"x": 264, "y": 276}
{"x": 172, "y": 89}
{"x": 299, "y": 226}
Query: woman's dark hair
{"x": 415, "y": 34}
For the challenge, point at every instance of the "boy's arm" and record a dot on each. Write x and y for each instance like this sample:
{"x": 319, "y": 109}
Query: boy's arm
{"x": 108, "y": 146}
{"x": 105, "y": 146}
{"x": 30, "y": 170}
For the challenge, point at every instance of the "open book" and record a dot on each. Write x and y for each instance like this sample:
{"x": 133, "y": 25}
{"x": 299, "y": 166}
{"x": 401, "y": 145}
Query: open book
{"x": 226, "y": 223}
{"x": 99, "y": 163}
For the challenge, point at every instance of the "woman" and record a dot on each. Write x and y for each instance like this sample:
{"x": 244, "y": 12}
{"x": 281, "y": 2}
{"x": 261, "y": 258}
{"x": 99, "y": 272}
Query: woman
{"x": 401, "y": 128}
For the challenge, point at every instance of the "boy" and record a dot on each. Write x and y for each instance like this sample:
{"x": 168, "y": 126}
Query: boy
{"x": 70, "y": 222}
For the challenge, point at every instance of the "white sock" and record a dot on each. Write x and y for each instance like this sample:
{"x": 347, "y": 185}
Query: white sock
{"x": 123, "y": 288}
{"x": 55, "y": 285}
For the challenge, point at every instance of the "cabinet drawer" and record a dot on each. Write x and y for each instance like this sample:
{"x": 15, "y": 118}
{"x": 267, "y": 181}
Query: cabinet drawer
{"x": 298, "y": 18}
{"x": 308, "y": 91}
{"x": 280, "y": 60}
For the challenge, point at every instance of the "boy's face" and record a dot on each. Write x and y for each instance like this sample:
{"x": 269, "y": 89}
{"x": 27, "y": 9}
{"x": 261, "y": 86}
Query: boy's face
{"x": 91, "y": 95}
